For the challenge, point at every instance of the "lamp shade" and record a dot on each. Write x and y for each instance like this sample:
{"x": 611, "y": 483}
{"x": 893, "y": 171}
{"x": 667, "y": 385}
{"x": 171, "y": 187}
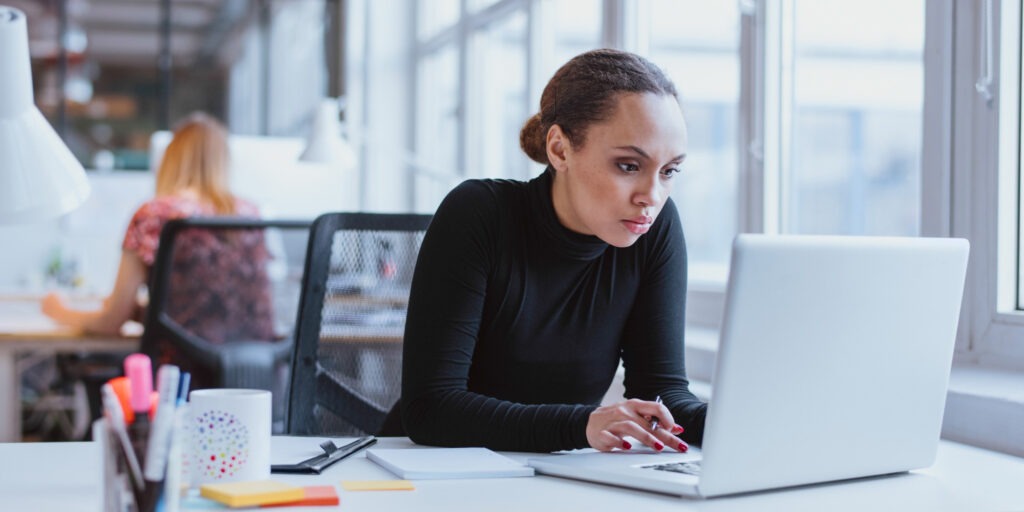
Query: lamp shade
{"x": 39, "y": 177}
{"x": 325, "y": 144}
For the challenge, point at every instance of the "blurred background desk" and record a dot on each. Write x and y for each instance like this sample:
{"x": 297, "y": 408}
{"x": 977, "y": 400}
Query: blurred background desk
{"x": 25, "y": 331}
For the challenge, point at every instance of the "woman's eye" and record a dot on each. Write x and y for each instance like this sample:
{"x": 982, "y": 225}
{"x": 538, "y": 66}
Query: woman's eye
{"x": 670, "y": 172}
{"x": 630, "y": 168}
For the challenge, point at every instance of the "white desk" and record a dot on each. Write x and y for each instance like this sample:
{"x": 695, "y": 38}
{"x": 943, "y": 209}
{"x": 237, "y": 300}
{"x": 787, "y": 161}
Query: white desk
{"x": 66, "y": 477}
{"x": 24, "y": 329}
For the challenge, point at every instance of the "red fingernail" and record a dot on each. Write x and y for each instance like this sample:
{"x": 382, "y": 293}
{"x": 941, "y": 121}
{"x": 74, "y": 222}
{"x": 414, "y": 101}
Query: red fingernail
{"x": 626, "y": 445}
{"x": 683, "y": 447}
{"x": 658, "y": 446}
{"x": 677, "y": 429}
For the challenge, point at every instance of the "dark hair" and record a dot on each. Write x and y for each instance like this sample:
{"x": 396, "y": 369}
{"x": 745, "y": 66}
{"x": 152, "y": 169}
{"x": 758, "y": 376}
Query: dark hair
{"x": 583, "y": 91}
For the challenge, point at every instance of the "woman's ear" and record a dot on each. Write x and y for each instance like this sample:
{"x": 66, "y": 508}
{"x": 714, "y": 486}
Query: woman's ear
{"x": 557, "y": 144}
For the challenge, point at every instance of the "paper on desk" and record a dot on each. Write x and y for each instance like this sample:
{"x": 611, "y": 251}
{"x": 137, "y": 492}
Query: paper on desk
{"x": 439, "y": 463}
{"x": 377, "y": 485}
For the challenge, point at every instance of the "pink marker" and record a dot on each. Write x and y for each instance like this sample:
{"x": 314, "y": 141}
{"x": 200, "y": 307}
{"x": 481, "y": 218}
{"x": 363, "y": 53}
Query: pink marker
{"x": 139, "y": 370}
{"x": 140, "y": 375}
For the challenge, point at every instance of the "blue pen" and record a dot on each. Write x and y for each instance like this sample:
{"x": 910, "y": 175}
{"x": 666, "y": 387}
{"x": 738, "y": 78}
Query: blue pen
{"x": 186, "y": 380}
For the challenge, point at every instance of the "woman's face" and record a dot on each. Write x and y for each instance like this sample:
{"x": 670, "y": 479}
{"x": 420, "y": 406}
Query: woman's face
{"x": 616, "y": 183}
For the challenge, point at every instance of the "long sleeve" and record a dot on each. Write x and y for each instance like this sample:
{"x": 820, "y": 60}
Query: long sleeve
{"x": 516, "y": 325}
{"x": 446, "y": 307}
{"x": 652, "y": 351}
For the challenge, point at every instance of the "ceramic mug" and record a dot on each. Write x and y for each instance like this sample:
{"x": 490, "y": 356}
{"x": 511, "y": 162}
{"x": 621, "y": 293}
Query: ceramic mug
{"x": 229, "y": 435}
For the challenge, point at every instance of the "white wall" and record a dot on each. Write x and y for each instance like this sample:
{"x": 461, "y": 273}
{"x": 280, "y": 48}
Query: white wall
{"x": 264, "y": 170}
{"x": 91, "y": 235}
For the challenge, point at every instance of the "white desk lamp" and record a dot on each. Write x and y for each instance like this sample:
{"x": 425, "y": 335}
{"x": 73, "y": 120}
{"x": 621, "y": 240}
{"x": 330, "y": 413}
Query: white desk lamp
{"x": 325, "y": 144}
{"x": 39, "y": 177}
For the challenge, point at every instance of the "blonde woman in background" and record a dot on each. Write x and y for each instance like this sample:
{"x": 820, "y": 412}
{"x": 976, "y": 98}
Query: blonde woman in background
{"x": 192, "y": 182}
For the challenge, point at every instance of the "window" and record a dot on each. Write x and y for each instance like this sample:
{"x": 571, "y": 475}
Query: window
{"x": 832, "y": 146}
{"x": 433, "y": 16}
{"x": 855, "y": 128}
{"x": 697, "y": 44}
{"x": 497, "y": 58}
{"x": 437, "y": 124}
{"x": 576, "y": 27}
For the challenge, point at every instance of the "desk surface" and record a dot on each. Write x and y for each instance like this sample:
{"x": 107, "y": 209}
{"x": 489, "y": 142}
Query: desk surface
{"x": 22, "y": 319}
{"x": 24, "y": 329}
{"x": 66, "y": 476}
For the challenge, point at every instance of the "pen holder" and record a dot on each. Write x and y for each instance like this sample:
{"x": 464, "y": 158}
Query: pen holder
{"x": 118, "y": 495}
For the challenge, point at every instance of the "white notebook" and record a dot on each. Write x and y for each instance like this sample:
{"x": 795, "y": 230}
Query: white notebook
{"x": 441, "y": 463}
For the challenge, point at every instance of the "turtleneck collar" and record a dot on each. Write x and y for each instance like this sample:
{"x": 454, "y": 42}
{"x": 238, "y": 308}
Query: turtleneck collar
{"x": 563, "y": 240}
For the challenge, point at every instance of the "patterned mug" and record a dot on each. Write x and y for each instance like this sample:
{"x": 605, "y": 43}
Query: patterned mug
{"x": 229, "y": 435}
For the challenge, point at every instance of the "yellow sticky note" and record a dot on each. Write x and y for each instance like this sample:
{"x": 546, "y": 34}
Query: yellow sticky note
{"x": 377, "y": 485}
{"x": 247, "y": 494}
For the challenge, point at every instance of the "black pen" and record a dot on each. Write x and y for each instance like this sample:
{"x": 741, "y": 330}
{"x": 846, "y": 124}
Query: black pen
{"x": 654, "y": 421}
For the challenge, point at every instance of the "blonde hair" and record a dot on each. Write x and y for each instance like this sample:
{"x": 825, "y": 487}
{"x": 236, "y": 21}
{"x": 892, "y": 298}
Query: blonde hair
{"x": 197, "y": 158}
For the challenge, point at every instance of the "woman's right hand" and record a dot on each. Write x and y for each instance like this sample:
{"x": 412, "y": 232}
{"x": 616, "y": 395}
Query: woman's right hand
{"x": 54, "y": 306}
{"x": 609, "y": 425}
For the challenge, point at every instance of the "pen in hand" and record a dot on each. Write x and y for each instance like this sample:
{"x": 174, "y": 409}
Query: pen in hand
{"x": 654, "y": 420}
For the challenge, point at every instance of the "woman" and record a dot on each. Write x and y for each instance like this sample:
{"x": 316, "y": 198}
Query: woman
{"x": 192, "y": 181}
{"x": 526, "y": 294}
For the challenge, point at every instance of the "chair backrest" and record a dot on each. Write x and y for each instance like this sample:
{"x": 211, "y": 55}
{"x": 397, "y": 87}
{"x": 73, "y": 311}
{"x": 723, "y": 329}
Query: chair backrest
{"x": 348, "y": 347}
{"x": 223, "y": 297}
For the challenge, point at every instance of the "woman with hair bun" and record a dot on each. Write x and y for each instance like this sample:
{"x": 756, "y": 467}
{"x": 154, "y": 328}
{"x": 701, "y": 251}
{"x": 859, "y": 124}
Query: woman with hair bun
{"x": 527, "y": 294}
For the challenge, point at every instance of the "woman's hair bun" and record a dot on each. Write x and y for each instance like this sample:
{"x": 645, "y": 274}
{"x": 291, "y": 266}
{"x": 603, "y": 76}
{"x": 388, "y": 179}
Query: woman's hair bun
{"x": 533, "y": 140}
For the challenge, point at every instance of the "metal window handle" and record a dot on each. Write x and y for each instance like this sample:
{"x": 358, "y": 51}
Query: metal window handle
{"x": 984, "y": 84}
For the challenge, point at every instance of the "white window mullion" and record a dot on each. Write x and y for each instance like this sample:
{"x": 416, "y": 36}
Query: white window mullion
{"x": 777, "y": 84}
{"x": 463, "y": 156}
{"x": 1006, "y": 25}
{"x": 937, "y": 120}
{"x": 750, "y": 182}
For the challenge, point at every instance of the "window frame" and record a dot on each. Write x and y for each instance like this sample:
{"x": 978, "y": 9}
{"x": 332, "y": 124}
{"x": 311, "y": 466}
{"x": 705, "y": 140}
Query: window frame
{"x": 985, "y": 183}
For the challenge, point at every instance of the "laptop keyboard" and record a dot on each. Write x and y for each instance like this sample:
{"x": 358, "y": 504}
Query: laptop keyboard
{"x": 687, "y": 468}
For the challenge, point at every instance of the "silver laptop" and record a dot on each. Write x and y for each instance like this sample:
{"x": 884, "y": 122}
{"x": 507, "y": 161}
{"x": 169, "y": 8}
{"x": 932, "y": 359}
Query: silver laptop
{"x": 833, "y": 364}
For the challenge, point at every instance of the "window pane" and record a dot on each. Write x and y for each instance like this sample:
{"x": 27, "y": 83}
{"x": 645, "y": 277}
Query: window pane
{"x": 479, "y": 5}
{"x": 433, "y": 16}
{"x": 856, "y": 136}
{"x": 577, "y": 28}
{"x": 498, "y": 92}
{"x": 437, "y": 125}
{"x": 697, "y": 44}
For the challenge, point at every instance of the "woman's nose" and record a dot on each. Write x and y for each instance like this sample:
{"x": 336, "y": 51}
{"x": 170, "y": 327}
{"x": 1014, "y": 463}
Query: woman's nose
{"x": 650, "y": 193}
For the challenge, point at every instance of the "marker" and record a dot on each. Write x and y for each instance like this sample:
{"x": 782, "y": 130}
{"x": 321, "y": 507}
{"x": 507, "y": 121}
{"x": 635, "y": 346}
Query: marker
{"x": 123, "y": 389}
{"x": 115, "y": 417}
{"x": 159, "y": 434}
{"x": 159, "y": 443}
{"x": 184, "y": 383}
{"x": 140, "y": 374}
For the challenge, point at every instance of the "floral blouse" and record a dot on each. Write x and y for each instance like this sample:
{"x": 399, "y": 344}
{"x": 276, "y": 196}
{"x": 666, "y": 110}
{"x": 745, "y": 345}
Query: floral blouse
{"x": 218, "y": 288}
{"x": 143, "y": 234}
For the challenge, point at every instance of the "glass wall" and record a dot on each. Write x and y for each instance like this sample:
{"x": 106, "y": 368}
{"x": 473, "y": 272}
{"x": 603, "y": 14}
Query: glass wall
{"x": 108, "y": 73}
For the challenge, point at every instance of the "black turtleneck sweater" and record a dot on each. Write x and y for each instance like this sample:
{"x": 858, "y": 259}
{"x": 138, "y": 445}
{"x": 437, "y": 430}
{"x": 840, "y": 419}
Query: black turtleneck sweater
{"x": 516, "y": 324}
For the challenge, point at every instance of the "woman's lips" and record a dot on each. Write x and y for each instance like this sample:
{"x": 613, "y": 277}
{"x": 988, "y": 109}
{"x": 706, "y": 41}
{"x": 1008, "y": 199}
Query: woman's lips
{"x": 637, "y": 228}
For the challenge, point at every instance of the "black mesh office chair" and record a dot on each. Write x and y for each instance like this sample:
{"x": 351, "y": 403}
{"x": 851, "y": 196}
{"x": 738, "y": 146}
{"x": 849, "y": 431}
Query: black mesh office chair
{"x": 347, "y": 368}
{"x": 223, "y": 298}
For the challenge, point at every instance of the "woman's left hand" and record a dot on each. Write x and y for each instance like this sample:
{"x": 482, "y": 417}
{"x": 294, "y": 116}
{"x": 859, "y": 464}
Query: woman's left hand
{"x": 609, "y": 425}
